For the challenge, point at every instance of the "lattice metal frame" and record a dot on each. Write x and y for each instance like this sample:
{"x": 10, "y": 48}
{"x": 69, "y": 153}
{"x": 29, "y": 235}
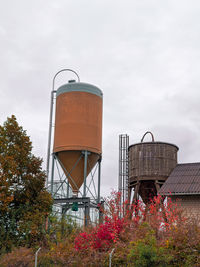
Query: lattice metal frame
{"x": 123, "y": 182}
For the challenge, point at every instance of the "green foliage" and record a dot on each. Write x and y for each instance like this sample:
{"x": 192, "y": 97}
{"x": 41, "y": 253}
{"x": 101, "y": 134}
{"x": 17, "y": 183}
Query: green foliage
{"x": 146, "y": 252}
{"x": 183, "y": 243}
{"x": 60, "y": 228}
{"x": 24, "y": 202}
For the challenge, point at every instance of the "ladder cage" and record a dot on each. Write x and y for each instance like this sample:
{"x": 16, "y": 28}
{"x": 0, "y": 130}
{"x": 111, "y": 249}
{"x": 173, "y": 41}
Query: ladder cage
{"x": 123, "y": 167}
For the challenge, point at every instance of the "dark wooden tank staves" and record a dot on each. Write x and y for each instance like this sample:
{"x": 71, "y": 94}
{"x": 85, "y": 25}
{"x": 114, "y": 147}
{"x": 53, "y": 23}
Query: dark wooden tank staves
{"x": 150, "y": 164}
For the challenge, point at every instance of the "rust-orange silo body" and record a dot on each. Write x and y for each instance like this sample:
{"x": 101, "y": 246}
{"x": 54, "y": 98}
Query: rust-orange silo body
{"x": 78, "y": 128}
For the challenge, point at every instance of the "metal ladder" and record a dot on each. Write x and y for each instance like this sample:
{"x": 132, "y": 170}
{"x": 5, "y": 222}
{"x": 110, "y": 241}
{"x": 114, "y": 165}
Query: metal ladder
{"x": 123, "y": 167}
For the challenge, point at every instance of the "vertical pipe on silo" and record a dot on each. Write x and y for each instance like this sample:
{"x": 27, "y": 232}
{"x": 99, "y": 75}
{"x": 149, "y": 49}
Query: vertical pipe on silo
{"x": 52, "y": 173}
{"x": 50, "y": 131}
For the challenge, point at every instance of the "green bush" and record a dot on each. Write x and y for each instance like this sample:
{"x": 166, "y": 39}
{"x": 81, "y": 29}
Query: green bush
{"x": 147, "y": 252}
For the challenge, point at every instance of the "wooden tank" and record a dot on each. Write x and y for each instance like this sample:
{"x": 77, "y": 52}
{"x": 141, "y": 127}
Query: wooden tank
{"x": 150, "y": 164}
{"x": 151, "y": 161}
{"x": 78, "y": 128}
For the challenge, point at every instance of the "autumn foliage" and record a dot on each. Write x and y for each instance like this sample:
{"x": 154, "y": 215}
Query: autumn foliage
{"x": 155, "y": 235}
{"x": 119, "y": 221}
{"x": 24, "y": 202}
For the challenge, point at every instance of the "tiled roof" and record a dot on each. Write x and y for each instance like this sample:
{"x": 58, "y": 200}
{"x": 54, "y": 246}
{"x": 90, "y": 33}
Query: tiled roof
{"x": 184, "y": 179}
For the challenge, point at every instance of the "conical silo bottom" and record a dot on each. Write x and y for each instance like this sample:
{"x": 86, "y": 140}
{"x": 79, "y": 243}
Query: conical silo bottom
{"x": 72, "y": 163}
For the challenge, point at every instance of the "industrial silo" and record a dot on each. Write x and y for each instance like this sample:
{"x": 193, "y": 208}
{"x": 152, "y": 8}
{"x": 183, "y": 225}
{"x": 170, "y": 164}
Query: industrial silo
{"x": 150, "y": 164}
{"x": 76, "y": 121}
{"x": 78, "y": 130}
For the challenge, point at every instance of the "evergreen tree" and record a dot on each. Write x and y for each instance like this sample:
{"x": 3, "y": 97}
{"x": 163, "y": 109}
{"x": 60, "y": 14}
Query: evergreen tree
{"x": 24, "y": 201}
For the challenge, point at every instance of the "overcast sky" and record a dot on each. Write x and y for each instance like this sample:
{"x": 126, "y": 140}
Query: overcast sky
{"x": 144, "y": 55}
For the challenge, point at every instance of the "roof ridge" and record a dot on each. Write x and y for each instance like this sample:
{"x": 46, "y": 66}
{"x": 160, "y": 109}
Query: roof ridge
{"x": 188, "y": 163}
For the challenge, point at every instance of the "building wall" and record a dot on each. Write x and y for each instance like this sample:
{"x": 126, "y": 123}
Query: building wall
{"x": 190, "y": 204}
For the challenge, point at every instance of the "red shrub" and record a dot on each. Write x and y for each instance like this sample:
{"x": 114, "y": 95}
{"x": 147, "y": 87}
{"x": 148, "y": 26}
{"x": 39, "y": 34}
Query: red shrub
{"x": 158, "y": 214}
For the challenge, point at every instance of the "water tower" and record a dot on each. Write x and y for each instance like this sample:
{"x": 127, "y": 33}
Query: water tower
{"x": 77, "y": 143}
{"x": 150, "y": 164}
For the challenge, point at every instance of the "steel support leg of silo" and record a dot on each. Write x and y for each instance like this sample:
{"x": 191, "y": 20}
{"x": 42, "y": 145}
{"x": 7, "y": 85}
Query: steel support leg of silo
{"x": 101, "y": 209}
{"x": 85, "y": 172}
{"x": 87, "y": 213}
{"x": 67, "y": 188}
{"x": 52, "y": 173}
{"x": 99, "y": 181}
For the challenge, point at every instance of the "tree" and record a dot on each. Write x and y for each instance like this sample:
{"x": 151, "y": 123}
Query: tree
{"x": 24, "y": 201}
